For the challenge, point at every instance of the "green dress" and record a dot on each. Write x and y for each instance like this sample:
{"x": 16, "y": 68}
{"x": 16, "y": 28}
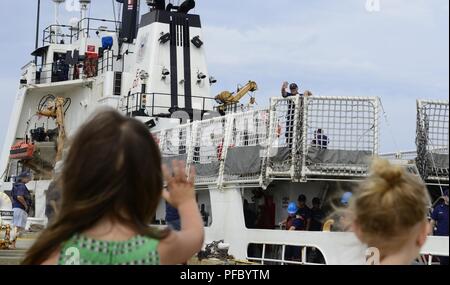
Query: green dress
{"x": 81, "y": 250}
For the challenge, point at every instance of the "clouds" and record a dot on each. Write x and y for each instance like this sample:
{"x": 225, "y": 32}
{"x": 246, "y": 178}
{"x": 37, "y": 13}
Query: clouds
{"x": 334, "y": 48}
{"x": 338, "y": 48}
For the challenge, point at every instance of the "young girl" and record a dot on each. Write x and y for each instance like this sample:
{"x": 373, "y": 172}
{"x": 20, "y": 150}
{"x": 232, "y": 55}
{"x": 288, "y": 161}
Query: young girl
{"x": 389, "y": 213}
{"x": 112, "y": 183}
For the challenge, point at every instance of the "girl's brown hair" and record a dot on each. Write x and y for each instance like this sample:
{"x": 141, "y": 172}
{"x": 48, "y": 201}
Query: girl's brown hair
{"x": 388, "y": 205}
{"x": 113, "y": 169}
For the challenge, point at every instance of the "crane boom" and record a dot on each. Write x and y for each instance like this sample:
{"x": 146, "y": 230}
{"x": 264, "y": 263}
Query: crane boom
{"x": 55, "y": 110}
{"x": 227, "y": 98}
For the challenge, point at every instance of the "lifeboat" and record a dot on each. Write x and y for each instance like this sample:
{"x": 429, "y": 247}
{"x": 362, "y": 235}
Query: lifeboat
{"x": 22, "y": 150}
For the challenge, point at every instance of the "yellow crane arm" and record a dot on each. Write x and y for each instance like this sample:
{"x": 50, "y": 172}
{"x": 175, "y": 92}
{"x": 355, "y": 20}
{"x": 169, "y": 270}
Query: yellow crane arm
{"x": 56, "y": 110}
{"x": 226, "y": 98}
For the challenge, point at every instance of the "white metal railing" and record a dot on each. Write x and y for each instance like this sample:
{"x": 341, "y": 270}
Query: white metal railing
{"x": 245, "y": 148}
{"x": 208, "y": 146}
{"x": 404, "y": 155}
{"x": 255, "y": 147}
{"x": 432, "y": 139}
{"x": 283, "y": 136}
{"x": 340, "y": 135}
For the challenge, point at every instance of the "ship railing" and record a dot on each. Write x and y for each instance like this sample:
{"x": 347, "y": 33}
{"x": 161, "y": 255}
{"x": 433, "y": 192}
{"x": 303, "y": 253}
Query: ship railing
{"x": 283, "y": 144}
{"x": 208, "y": 150}
{"x": 156, "y": 104}
{"x": 254, "y": 148}
{"x": 175, "y": 144}
{"x": 67, "y": 34}
{"x": 58, "y": 34}
{"x": 106, "y": 62}
{"x": 339, "y": 135}
{"x": 223, "y": 150}
{"x": 244, "y": 154}
{"x": 322, "y": 137}
{"x": 60, "y": 72}
{"x": 402, "y": 155}
{"x": 94, "y": 25}
{"x": 432, "y": 140}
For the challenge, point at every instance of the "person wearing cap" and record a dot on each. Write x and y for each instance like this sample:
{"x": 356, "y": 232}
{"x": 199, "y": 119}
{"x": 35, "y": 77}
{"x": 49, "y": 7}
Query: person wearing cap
{"x": 345, "y": 199}
{"x": 21, "y": 204}
{"x": 293, "y": 87}
{"x": 340, "y": 221}
{"x": 439, "y": 221}
{"x": 292, "y": 223}
{"x": 303, "y": 213}
{"x": 294, "y": 91}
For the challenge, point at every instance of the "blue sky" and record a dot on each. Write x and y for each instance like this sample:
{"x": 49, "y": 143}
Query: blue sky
{"x": 333, "y": 48}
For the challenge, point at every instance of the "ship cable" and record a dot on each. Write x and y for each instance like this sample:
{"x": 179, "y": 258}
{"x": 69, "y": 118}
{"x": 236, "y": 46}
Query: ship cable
{"x": 388, "y": 124}
{"x": 433, "y": 161}
{"x": 398, "y": 149}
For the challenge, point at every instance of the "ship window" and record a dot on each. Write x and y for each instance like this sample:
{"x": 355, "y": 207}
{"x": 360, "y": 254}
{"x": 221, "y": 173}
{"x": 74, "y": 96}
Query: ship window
{"x": 272, "y": 254}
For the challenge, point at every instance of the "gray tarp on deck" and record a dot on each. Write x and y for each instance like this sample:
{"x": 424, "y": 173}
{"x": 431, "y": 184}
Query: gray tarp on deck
{"x": 335, "y": 156}
{"x": 167, "y": 160}
{"x": 437, "y": 164}
{"x": 437, "y": 160}
{"x": 207, "y": 169}
{"x": 243, "y": 160}
{"x": 280, "y": 154}
{"x": 202, "y": 169}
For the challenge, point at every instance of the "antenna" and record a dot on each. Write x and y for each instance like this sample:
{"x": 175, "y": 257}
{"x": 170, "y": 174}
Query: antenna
{"x": 57, "y": 5}
{"x": 84, "y": 7}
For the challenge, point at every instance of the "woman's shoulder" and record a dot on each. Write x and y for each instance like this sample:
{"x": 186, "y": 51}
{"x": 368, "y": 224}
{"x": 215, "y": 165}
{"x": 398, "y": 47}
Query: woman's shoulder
{"x": 82, "y": 249}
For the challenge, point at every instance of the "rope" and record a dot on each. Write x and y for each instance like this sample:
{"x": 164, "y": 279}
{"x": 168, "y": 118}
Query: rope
{"x": 388, "y": 124}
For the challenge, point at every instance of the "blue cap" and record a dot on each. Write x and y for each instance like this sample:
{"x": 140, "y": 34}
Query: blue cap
{"x": 345, "y": 199}
{"x": 292, "y": 208}
{"x": 293, "y": 86}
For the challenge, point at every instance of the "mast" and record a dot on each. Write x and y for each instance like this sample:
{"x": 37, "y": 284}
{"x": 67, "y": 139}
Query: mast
{"x": 57, "y": 4}
{"x": 84, "y": 7}
{"x": 37, "y": 28}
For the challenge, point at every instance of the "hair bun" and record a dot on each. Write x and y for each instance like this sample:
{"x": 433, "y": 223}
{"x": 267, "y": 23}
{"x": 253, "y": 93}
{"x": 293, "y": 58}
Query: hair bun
{"x": 392, "y": 174}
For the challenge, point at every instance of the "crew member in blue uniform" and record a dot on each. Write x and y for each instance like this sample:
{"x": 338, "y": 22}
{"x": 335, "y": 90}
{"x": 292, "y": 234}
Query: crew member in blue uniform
{"x": 439, "y": 222}
{"x": 303, "y": 213}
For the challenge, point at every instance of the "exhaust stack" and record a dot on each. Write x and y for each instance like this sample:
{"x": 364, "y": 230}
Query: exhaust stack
{"x": 128, "y": 32}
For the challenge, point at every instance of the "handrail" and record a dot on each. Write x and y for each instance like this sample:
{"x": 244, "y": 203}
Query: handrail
{"x": 74, "y": 32}
{"x": 283, "y": 138}
{"x": 145, "y": 102}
